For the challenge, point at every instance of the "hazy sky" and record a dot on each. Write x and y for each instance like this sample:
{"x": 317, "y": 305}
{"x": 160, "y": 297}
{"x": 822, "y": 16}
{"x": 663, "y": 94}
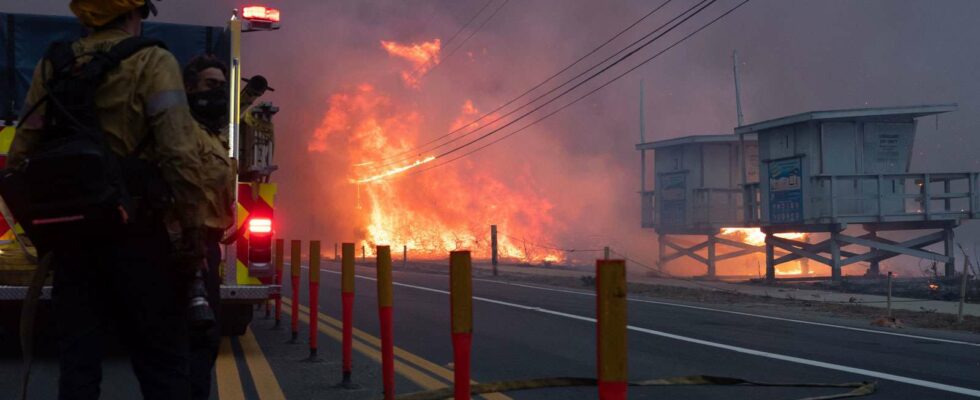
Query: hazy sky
{"x": 796, "y": 56}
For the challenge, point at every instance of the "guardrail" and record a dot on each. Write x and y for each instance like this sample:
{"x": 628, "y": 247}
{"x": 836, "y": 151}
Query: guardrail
{"x": 900, "y": 197}
{"x": 709, "y": 207}
{"x": 883, "y": 197}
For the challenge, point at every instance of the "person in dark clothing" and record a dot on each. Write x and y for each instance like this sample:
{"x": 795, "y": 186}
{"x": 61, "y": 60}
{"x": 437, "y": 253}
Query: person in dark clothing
{"x": 129, "y": 277}
{"x": 206, "y": 83}
{"x": 130, "y": 282}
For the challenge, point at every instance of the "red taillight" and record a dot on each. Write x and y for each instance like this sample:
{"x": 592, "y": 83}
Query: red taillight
{"x": 260, "y": 13}
{"x": 260, "y": 225}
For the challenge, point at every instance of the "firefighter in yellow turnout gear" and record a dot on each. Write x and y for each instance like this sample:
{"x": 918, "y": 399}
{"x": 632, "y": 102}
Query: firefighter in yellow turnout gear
{"x": 127, "y": 276}
{"x": 206, "y": 82}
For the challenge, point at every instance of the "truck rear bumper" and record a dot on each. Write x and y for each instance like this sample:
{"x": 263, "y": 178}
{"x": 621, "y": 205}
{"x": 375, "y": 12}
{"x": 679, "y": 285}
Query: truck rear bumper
{"x": 229, "y": 293}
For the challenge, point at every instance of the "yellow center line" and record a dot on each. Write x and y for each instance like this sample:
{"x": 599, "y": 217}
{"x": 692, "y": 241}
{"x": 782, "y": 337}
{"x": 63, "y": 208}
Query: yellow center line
{"x": 265, "y": 380}
{"x": 226, "y": 373}
{"x": 418, "y": 377}
{"x": 433, "y": 368}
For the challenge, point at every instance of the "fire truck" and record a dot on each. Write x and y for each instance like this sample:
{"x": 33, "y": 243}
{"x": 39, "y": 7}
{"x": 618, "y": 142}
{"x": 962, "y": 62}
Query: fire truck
{"x": 248, "y": 278}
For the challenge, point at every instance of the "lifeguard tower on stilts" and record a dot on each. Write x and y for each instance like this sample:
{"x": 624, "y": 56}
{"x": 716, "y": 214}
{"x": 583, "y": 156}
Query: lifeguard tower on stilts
{"x": 826, "y": 171}
{"x": 698, "y": 193}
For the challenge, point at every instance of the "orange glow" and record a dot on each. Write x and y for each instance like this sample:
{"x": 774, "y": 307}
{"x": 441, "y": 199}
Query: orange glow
{"x": 755, "y": 237}
{"x": 422, "y": 57}
{"x": 434, "y": 212}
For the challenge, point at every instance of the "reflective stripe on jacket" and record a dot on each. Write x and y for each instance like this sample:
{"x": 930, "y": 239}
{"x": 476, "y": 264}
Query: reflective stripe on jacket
{"x": 143, "y": 95}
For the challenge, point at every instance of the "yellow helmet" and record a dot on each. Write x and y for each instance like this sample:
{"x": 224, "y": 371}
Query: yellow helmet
{"x": 95, "y": 13}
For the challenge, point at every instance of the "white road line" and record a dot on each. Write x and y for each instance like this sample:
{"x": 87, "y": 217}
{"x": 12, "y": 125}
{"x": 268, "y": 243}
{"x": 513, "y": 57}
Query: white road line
{"x": 743, "y": 350}
{"x": 826, "y": 325}
{"x": 664, "y": 303}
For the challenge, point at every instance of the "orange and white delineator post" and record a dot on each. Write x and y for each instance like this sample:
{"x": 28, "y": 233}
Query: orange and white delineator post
{"x": 461, "y": 311}
{"x": 611, "y": 328}
{"x": 383, "y": 261}
{"x": 280, "y": 244}
{"x": 347, "y": 302}
{"x": 294, "y": 261}
{"x": 314, "y": 295}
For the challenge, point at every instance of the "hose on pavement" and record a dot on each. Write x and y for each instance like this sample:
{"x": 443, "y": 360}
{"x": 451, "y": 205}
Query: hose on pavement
{"x": 858, "y": 389}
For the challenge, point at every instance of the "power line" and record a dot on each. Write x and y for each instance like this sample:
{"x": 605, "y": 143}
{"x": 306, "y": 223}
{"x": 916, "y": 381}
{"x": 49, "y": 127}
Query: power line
{"x": 470, "y": 21}
{"x": 702, "y": 6}
{"x": 528, "y": 91}
{"x": 569, "y": 90}
{"x": 460, "y": 30}
{"x": 453, "y": 51}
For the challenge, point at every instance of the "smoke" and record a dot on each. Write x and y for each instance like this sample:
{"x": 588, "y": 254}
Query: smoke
{"x": 797, "y": 56}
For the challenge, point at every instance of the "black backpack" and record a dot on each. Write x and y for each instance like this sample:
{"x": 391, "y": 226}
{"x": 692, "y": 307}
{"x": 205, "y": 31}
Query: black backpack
{"x": 71, "y": 184}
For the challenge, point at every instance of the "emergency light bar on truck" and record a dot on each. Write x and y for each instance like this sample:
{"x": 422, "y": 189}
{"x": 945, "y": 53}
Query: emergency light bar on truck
{"x": 260, "y": 18}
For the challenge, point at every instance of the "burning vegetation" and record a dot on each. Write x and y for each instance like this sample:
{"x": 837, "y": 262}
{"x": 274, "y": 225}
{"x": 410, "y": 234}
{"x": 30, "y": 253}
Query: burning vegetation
{"x": 755, "y": 237}
{"x": 422, "y": 56}
{"x": 437, "y": 211}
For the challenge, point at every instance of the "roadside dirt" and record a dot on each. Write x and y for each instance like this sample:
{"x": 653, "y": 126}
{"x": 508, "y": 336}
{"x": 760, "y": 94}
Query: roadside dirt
{"x": 918, "y": 319}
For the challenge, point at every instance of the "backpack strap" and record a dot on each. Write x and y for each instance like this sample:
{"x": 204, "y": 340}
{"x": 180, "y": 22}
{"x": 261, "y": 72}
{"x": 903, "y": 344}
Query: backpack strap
{"x": 62, "y": 56}
{"x": 122, "y": 51}
{"x": 103, "y": 62}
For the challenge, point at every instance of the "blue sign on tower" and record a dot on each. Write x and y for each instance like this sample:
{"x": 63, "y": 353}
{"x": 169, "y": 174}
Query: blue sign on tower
{"x": 786, "y": 190}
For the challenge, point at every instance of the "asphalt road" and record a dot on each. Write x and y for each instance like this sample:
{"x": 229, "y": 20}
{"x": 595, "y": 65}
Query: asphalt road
{"x": 522, "y": 331}
{"x": 525, "y": 331}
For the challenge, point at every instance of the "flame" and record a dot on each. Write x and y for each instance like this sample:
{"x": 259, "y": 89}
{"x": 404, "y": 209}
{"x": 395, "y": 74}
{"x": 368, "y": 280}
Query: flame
{"x": 468, "y": 109}
{"x": 422, "y": 56}
{"x": 755, "y": 237}
{"x": 392, "y": 171}
{"x": 436, "y": 212}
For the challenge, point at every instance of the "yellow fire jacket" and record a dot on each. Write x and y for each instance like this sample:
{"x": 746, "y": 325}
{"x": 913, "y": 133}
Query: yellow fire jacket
{"x": 220, "y": 172}
{"x": 143, "y": 96}
{"x": 220, "y": 180}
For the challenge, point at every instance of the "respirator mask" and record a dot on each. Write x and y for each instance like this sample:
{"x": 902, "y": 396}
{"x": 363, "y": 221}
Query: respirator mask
{"x": 210, "y": 107}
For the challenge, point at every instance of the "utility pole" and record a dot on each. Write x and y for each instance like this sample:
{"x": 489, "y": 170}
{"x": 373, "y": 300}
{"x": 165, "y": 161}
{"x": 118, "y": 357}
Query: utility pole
{"x": 643, "y": 122}
{"x": 404, "y": 256}
{"x": 743, "y": 159}
{"x": 738, "y": 96}
{"x": 493, "y": 248}
{"x": 643, "y": 153}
